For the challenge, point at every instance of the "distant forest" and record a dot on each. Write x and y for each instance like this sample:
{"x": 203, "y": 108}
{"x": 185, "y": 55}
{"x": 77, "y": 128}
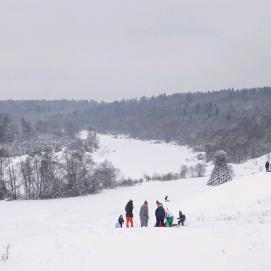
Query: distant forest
{"x": 237, "y": 121}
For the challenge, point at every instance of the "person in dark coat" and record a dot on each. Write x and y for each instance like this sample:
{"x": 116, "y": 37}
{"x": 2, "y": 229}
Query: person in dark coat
{"x": 144, "y": 214}
{"x": 181, "y": 218}
{"x": 160, "y": 215}
{"x": 121, "y": 220}
{"x": 267, "y": 166}
{"x": 129, "y": 214}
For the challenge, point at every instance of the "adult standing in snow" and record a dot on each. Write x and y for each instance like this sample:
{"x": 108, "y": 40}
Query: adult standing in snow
{"x": 144, "y": 214}
{"x": 160, "y": 215}
{"x": 129, "y": 214}
{"x": 267, "y": 166}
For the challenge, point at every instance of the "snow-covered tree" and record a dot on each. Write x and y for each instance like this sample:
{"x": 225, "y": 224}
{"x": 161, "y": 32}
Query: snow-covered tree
{"x": 222, "y": 173}
{"x": 184, "y": 171}
{"x": 200, "y": 169}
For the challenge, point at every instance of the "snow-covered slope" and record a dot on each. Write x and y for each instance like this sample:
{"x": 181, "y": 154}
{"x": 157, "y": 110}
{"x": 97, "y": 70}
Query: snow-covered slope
{"x": 229, "y": 228}
{"x": 252, "y": 166}
{"x": 135, "y": 157}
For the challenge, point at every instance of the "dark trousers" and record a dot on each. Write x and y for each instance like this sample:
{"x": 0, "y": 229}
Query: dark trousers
{"x": 181, "y": 222}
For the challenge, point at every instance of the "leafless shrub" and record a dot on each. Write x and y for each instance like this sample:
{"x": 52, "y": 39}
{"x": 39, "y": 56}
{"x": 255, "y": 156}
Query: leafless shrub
{"x": 4, "y": 253}
{"x": 200, "y": 169}
{"x": 184, "y": 171}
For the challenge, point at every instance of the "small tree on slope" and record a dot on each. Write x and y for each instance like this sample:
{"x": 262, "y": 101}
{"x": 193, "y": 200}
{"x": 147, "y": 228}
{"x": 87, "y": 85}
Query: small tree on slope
{"x": 222, "y": 173}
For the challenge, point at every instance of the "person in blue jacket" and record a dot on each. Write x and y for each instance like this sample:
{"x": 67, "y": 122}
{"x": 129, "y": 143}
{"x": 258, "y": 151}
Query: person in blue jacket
{"x": 160, "y": 215}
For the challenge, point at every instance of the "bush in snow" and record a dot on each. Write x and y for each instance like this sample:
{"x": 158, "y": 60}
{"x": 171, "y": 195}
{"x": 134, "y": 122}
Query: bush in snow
{"x": 192, "y": 172}
{"x": 78, "y": 167}
{"x": 200, "y": 169}
{"x": 147, "y": 178}
{"x": 222, "y": 173}
{"x": 106, "y": 175}
{"x": 170, "y": 176}
{"x": 184, "y": 171}
{"x": 130, "y": 182}
{"x": 92, "y": 141}
{"x": 3, "y": 157}
{"x": 47, "y": 174}
{"x": 4, "y": 253}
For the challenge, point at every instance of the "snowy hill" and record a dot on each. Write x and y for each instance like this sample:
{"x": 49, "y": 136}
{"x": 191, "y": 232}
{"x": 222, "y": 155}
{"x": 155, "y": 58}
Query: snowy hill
{"x": 252, "y": 166}
{"x": 228, "y": 227}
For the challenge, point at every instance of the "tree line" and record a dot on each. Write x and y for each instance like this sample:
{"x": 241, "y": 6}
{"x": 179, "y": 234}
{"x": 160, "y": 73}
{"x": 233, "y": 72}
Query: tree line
{"x": 237, "y": 121}
{"x": 49, "y": 174}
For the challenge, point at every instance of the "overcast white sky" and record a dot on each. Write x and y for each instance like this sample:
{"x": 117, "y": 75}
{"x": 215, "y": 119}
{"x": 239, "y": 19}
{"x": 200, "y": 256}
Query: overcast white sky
{"x": 113, "y": 49}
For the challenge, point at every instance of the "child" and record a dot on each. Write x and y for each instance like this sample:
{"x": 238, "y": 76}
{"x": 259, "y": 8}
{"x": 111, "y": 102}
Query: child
{"x": 181, "y": 218}
{"x": 120, "y": 222}
{"x": 169, "y": 218}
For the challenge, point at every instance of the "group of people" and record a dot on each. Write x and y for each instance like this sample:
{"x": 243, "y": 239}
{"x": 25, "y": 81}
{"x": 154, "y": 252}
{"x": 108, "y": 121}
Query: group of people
{"x": 164, "y": 217}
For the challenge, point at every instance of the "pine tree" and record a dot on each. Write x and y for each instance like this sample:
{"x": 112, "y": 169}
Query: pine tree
{"x": 222, "y": 173}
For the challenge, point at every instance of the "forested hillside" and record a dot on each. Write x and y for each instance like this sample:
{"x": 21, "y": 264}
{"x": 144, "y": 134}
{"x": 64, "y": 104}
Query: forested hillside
{"x": 237, "y": 121}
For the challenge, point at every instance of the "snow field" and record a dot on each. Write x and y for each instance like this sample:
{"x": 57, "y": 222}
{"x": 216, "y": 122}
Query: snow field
{"x": 136, "y": 157}
{"x": 228, "y": 227}
{"x": 67, "y": 234}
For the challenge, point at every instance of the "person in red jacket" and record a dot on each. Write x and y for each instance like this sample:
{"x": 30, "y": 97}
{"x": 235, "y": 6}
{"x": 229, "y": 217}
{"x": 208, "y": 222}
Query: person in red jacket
{"x": 129, "y": 214}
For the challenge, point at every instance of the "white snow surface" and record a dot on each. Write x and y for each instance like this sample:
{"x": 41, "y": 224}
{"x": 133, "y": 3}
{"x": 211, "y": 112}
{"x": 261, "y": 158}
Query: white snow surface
{"x": 252, "y": 166}
{"x": 135, "y": 158}
{"x": 228, "y": 227}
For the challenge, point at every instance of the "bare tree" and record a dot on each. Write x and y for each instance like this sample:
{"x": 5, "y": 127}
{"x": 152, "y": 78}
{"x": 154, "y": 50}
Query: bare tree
{"x": 106, "y": 174}
{"x": 78, "y": 167}
{"x": 3, "y": 188}
{"x": 200, "y": 169}
{"x": 12, "y": 178}
{"x": 91, "y": 143}
{"x": 28, "y": 177}
{"x": 184, "y": 171}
